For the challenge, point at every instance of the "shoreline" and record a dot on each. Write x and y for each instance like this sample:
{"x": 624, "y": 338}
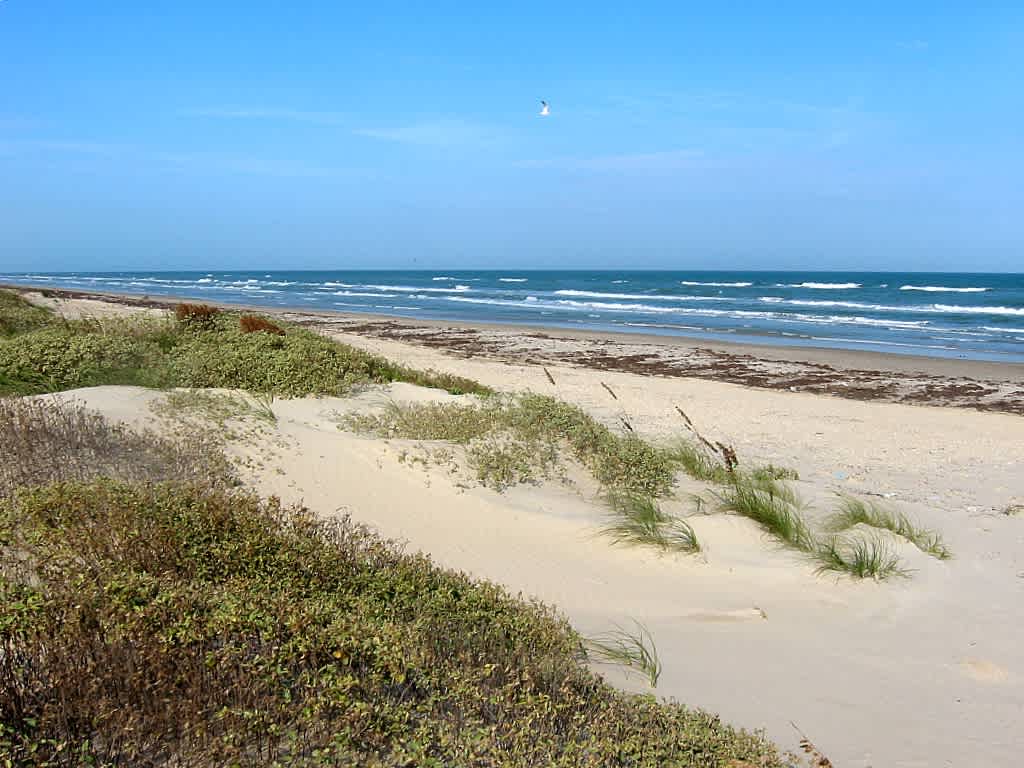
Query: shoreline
{"x": 849, "y": 374}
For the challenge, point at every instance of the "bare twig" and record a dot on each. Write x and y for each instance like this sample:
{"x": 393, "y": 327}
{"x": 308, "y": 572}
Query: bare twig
{"x": 550, "y": 377}
{"x": 820, "y": 761}
{"x": 609, "y": 389}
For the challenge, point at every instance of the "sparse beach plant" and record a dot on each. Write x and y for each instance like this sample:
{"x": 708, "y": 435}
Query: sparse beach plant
{"x": 43, "y": 441}
{"x": 772, "y": 504}
{"x": 638, "y": 520}
{"x": 853, "y": 511}
{"x": 631, "y": 648}
{"x": 862, "y": 557}
{"x": 699, "y": 463}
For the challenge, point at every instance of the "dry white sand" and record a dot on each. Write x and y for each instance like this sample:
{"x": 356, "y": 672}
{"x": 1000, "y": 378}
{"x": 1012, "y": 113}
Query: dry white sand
{"x": 926, "y": 671}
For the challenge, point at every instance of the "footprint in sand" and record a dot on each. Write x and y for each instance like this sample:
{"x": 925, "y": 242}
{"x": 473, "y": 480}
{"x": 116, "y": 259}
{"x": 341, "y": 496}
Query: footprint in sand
{"x": 983, "y": 670}
{"x": 741, "y": 614}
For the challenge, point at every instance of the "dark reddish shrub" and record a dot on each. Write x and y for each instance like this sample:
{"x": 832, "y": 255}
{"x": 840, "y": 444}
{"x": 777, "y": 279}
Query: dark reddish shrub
{"x": 254, "y": 323}
{"x": 199, "y": 314}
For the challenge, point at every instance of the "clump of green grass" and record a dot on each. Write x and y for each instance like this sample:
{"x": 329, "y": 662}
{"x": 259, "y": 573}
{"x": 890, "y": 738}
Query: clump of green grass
{"x": 638, "y": 520}
{"x": 634, "y": 649}
{"x": 19, "y": 316}
{"x": 699, "y": 463}
{"x": 856, "y": 511}
{"x": 860, "y": 557}
{"x": 702, "y": 464}
{"x": 772, "y": 504}
{"x": 165, "y": 624}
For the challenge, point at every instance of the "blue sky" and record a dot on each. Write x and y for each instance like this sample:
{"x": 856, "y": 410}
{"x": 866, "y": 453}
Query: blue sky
{"x": 332, "y": 135}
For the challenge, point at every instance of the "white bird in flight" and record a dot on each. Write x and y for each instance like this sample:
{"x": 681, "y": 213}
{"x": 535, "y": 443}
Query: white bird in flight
{"x": 545, "y": 110}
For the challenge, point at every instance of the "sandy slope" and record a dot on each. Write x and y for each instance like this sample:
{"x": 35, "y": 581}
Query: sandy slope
{"x": 927, "y": 671}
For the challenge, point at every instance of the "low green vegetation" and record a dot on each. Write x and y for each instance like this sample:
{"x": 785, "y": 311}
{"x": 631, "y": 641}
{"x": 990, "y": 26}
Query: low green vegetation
{"x": 638, "y": 520}
{"x": 20, "y": 316}
{"x": 167, "y": 624}
{"x": 198, "y": 350}
{"x": 538, "y": 426}
{"x": 858, "y": 512}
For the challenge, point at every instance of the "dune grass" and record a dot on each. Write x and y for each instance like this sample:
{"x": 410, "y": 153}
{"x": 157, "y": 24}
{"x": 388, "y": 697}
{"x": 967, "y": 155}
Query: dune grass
{"x": 203, "y": 347}
{"x": 858, "y": 512}
{"x": 776, "y": 507}
{"x": 635, "y": 649}
{"x": 859, "y": 556}
{"x": 638, "y": 520}
{"x": 773, "y": 505}
{"x": 165, "y": 624}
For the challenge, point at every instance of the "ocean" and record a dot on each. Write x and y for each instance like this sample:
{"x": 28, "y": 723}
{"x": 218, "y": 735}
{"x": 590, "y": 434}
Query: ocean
{"x": 959, "y": 315}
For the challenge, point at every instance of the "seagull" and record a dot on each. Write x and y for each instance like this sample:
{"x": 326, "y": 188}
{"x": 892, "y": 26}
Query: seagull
{"x": 545, "y": 110}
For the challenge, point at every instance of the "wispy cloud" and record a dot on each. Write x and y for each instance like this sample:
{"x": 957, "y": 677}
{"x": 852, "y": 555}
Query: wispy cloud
{"x": 263, "y": 113}
{"x": 246, "y": 165}
{"x": 444, "y": 132}
{"x": 673, "y": 159}
{"x": 23, "y": 146}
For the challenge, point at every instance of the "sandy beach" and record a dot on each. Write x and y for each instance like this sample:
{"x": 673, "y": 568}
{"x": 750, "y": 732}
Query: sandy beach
{"x": 926, "y": 670}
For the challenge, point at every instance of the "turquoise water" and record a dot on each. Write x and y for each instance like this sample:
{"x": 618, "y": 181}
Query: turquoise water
{"x": 975, "y": 316}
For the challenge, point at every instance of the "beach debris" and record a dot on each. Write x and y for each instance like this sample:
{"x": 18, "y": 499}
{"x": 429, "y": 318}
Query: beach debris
{"x": 727, "y": 453}
{"x": 550, "y": 377}
{"x": 819, "y": 759}
{"x": 609, "y": 390}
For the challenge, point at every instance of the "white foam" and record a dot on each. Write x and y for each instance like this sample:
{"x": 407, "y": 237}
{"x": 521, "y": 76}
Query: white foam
{"x": 717, "y": 285}
{"x": 823, "y": 286}
{"x": 512, "y": 279}
{"x": 1003, "y": 330}
{"x": 942, "y": 289}
{"x": 442, "y": 277}
{"x": 600, "y": 295}
{"x": 950, "y": 309}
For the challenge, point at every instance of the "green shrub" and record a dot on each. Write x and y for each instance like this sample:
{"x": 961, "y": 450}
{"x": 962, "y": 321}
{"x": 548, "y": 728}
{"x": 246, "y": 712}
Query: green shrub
{"x": 206, "y": 350}
{"x": 68, "y": 356}
{"x": 168, "y": 625}
{"x": 19, "y": 316}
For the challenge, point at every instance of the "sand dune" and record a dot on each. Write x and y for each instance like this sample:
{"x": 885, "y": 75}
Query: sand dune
{"x": 921, "y": 671}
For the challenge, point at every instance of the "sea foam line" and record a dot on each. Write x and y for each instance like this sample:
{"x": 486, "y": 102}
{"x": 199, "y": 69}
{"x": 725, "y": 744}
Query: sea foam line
{"x": 942, "y": 289}
{"x": 650, "y": 296}
{"x": 821, "y": 286}
{"x": 716, "y": 285}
